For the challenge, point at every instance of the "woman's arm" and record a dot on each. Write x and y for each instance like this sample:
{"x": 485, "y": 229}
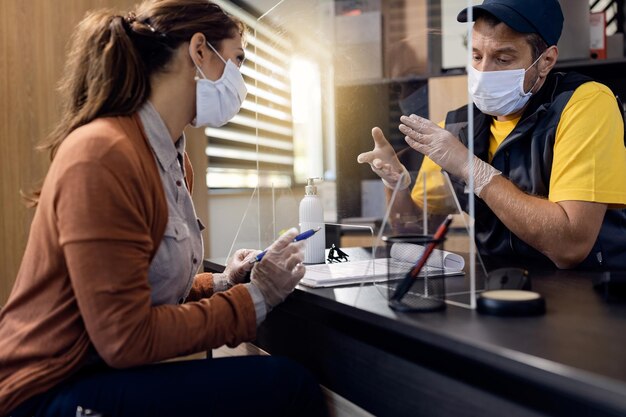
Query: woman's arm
{"x": 105, "y": 235}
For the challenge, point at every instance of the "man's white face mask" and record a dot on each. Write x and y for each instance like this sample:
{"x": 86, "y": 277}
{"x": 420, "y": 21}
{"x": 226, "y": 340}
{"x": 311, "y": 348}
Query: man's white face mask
{"x": 499, "y": 93}
{"x": 219, "y": 101}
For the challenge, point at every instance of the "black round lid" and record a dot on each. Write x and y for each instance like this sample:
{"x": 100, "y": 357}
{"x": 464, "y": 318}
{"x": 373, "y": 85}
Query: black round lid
{"x": 511, "y": 303}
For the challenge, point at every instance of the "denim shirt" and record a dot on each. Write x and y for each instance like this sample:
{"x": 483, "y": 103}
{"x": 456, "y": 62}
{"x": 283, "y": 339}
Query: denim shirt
{"x": 180, "y": 253}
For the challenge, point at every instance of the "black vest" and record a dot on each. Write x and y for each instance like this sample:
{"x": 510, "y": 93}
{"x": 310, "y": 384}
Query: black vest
{"x": 525, "y": 157}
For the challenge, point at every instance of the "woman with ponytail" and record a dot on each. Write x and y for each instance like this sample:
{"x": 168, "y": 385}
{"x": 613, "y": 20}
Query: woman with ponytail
{"x": 108, "y": 287}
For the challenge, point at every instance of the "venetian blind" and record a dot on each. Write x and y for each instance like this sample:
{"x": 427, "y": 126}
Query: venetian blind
{"x": 256, "y": 147}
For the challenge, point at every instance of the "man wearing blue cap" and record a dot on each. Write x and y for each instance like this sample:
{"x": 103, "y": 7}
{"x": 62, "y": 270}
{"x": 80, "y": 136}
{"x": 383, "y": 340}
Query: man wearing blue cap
{"x": 550, "y": 158}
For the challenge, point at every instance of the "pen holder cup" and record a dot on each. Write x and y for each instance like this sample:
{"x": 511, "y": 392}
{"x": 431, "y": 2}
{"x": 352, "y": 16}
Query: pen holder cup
{"x": 406, "y": 291}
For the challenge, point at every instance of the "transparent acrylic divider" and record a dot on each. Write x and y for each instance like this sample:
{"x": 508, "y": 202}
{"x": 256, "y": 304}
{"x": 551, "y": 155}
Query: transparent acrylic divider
{"x": 411, "y": 288}
{"x": 270, "y": 212}
{"x": 346, "y": 263}
{"x": 409, "y": 220}
{"x": 328, "y": 34}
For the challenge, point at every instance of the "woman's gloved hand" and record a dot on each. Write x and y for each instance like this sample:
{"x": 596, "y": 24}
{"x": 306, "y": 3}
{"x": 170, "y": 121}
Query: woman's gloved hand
{"x": 446, "y": 150}
{"x": 239, "y": 266}
{"x": 280, "y": 270}
{"x": 384, "y": 162}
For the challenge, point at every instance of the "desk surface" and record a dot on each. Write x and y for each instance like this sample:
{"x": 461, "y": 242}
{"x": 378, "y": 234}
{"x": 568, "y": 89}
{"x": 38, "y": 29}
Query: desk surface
{"x": 572, "y": 358}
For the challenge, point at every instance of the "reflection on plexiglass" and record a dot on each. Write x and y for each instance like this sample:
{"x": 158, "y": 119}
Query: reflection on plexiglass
{"x": 417, "y": 214}
{"x": 270, "y": 212}
{"x": 320, "y": 75}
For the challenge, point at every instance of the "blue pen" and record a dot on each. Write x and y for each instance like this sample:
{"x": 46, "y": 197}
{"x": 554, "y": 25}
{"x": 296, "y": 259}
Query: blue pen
{"x": 301, "y": 236}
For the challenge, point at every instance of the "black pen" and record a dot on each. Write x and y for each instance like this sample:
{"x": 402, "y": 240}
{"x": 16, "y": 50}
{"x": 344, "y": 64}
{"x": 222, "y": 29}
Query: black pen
{"x": 302, "y": 236}
{"x": 408, "y": 280}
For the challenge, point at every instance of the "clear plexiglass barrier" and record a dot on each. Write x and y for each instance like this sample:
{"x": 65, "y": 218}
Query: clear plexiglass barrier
{"x": 320, "y": 76}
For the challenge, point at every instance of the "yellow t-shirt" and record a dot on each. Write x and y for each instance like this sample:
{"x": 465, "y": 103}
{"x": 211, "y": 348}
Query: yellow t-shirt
{"x": 589, "y": 155}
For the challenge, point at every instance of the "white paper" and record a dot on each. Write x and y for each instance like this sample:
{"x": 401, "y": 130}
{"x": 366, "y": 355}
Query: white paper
{"x": 364, "y": 271}
{"x": 410, "y": 252}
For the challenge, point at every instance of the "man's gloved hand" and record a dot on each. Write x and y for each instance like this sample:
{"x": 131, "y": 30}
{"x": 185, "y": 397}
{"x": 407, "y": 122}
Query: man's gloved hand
{"x": 277, "y": 274}
{"x": 239, "y": 266}
{"x": 384, "y": 162}
{"x": 444, "y": 149}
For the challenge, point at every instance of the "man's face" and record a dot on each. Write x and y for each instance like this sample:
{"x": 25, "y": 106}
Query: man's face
{"x": 498, "y": 48}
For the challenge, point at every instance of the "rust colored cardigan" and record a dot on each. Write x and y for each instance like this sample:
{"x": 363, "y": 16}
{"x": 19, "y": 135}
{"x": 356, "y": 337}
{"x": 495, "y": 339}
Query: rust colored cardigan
{"x": 83, "y": 281}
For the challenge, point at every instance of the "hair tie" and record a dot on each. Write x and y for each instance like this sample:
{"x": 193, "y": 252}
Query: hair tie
{"x": 130, "y": 18}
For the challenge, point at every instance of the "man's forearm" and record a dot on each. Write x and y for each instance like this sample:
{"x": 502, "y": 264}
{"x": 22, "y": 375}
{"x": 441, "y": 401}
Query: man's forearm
{"x": 565, "y": 232}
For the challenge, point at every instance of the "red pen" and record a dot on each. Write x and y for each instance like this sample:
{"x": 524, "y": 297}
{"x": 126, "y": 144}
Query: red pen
{"x": 406, "y": 283}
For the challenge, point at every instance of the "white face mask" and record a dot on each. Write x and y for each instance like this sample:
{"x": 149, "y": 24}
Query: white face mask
{"x": 499, "y": 93}
{"x": 219, "y": 101}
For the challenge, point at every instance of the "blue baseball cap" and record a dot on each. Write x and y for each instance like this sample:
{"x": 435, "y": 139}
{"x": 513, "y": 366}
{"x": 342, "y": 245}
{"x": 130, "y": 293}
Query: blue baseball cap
{"x": 543, "y": 17}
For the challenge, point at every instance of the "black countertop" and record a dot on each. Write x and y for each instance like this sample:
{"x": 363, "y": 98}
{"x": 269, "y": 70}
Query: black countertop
{"x": 576, "y": 352}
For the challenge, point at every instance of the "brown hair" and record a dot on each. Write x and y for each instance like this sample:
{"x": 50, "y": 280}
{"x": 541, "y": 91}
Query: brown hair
{"x": 112, "y": 57}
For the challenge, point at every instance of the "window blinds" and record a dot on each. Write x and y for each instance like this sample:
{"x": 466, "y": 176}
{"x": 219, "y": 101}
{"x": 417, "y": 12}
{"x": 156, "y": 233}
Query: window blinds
{"x": 256, "y": 147}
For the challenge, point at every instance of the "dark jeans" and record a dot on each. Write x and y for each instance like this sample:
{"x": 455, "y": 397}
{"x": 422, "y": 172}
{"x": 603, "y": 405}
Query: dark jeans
{"x": 239, "y": 386}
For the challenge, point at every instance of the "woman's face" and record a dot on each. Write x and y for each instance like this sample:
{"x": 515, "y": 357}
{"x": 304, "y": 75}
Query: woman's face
{"x": 230, "y": 49}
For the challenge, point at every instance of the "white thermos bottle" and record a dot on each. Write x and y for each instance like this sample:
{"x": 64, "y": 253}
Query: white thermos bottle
{"x": 312, "y": 217}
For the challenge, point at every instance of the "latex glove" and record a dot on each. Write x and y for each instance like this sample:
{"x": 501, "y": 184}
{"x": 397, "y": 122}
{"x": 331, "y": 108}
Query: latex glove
{"x": 280, "y": 270}
{"x": 239, "y": 266}
{"x": 446, "y": 150}
{"x": 384, "y": 162}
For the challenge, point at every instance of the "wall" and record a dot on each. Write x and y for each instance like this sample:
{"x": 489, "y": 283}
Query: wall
{"x": 445, "y": 94}
{"x": 33, "y": 37}
{"x": 406, "y": 45}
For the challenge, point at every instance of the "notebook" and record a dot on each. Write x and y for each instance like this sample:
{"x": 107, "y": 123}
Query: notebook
{"x": 403, "y": 257}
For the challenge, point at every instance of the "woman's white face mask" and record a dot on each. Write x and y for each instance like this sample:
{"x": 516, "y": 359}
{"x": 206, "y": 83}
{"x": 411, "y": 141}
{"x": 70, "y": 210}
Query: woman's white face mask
{"x": 219, "y": 101}
{"x": 499, "y": 93}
